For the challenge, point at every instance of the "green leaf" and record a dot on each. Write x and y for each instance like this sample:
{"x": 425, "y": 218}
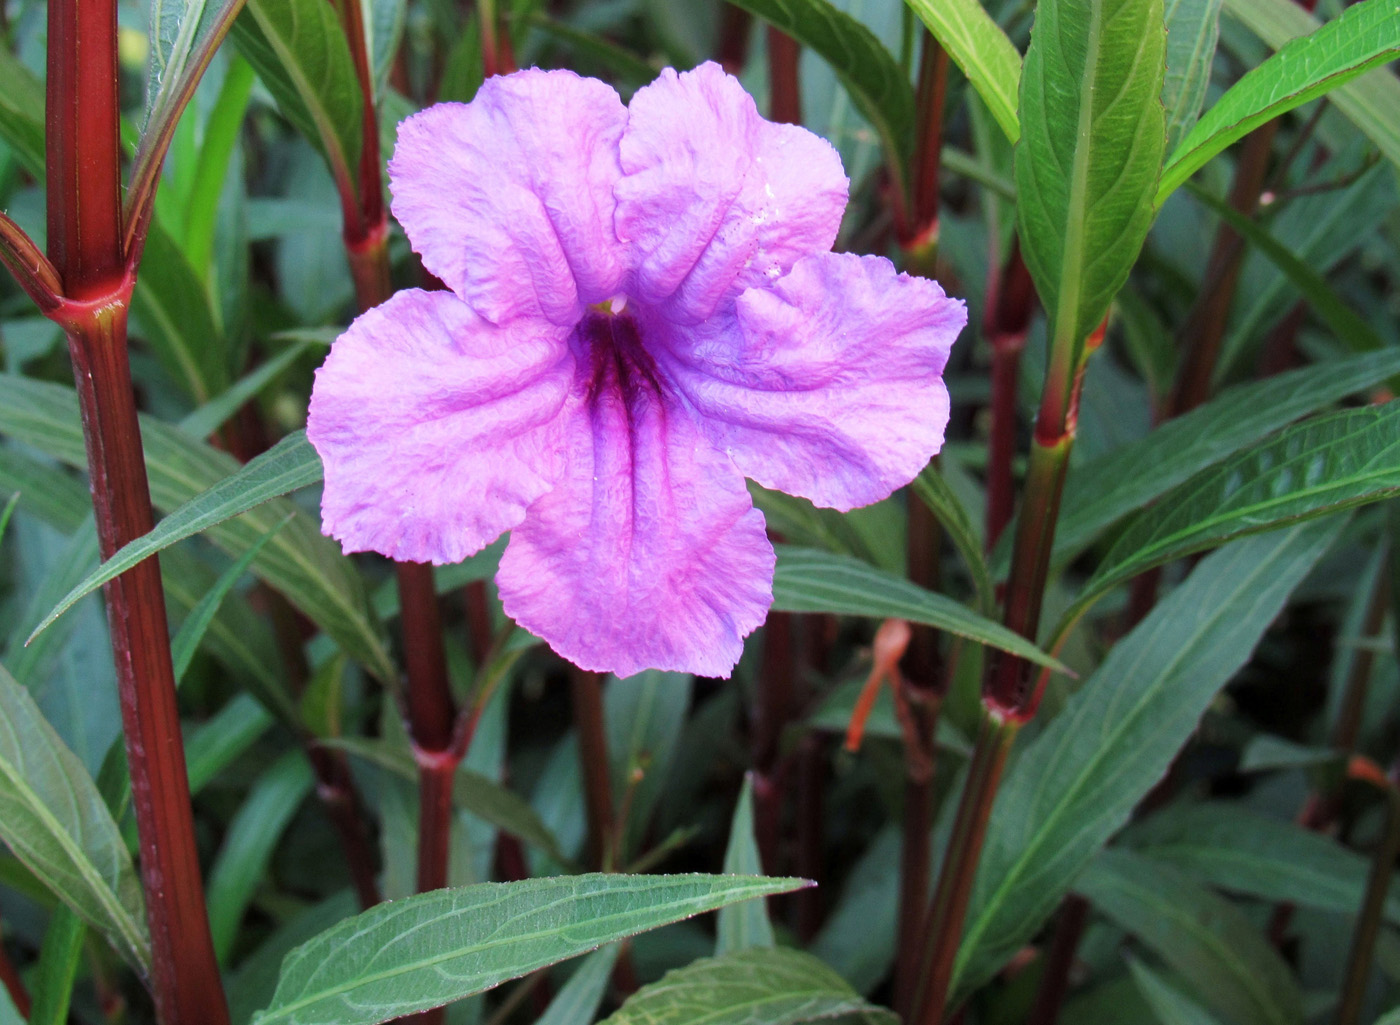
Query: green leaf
{"x": 578, "y": 1001}
{"x": 209, "y": 417}
{"x": 1193, "y": 26}
{"x": 982, "y": 50}
{"x": 1171, "y": 1006}
{"x": 743, "y": 926}
{"x": 471, "y": 791}
{"x": 1117, "y": 735}
{"x": 290, "y": 464}
{"x": 1348, "y": 326}
{"x": 299, "y": 51}
{"x": 1092, "y": 135}
{"x": 22, "y": 112}
{"x": 1371, "y": 102}
{"x": 171, "y": 310}
{"x": 305, "y": 566}
{"x": 1364, "y": 36}
{"x": 433, "y": 948}
{"x": 221, "y": 132}
{"x": 384, "y": 25}
{"x": 771, "y": 986}
{"x": 1102, "y": 492}
{"x": 865, "y": 68}
{"x": 7, "y": 512}
{"x": 935, "y": 493}
{"x": 59, "y": 960}
{"x": 1311, "y": 469}
{"x": 808, "y": 580}
{"x": 241, "y": 864}
{"x": 184, "y": 35}
{"x": 185, "y": 643}
{"x": 643, "y": 715}
{"x": 1207, "y": 940}
{"x": 215, "y": 743}
{"x": 57, "y": 824}
{"x": 1234, "y": 849}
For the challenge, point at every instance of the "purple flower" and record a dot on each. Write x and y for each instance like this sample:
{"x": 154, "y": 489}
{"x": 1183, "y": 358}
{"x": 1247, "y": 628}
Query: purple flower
{"x": 643, "y": 311}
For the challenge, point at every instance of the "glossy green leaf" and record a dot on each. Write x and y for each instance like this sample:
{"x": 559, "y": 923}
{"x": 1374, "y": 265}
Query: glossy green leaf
{"x": 242, "y": 861}
{"x": 1364, "y": 36}
{"x": 299, "y": 51}
{"x": 290, "y": 464}
{"x": 1100, "y": 493}
{"x": 22, "y": 112}
{"x": 1311, "y": 469}
{"x": 1092, "y": 136}
{"x": 935, "y": 493}
{"x": 471, "y": 791}
{"x": 578, "y": 999}
{"x": 1208, "y": 941}
{"x": 433, "y": 948}
{"x": 1371, "y": 102}
{"x": 220, "y": 138}
{"x": 1118, "y": 733}
{"x": 808, "y": 580}
{"x": 305, "y": 566}
{"x": 1193, "y": 26}
{"x": 982, "y": 50}
{"x": 867, "y": 70}
{"x": 56, "y": 822}
{"x": 186, "y": 642}
{"x": 743, "y": 926}
{"x": 1171, "y": 1006}
{"x": 1244, "y": 852}
{"x": 770, "y": 986}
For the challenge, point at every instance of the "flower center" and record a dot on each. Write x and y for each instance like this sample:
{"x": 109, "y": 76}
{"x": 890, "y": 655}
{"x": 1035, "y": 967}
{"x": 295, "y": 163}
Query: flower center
{"x": 613, "y": 353}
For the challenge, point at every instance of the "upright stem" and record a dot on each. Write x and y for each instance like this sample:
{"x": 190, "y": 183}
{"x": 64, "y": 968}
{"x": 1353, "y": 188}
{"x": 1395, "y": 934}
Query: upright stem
{"x": 1059, "y": 959}
{"x": 1006, "y": 321}
{"x": 586, "y": 689}
{"x": 943, "y": 928}
{"x": 84, "y": 235}
{"x": 785, "y": 91}
{"x": 1363, "y": 942}
{"x": 918, "y": 235}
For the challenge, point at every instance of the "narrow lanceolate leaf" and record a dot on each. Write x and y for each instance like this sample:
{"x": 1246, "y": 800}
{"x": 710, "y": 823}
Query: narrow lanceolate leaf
{"x": 866, "y": 69}
{"x": 981, "y": 49}
{"x": 57, "y": 824}
{"x": 773, "y": 986}
{"x": 290, "y": 464}
{"x": 1092, "y": 135}
{"x": 1076, "y": 783}
{"x": 184, "y": 35}
{"x": 935, "y": 493}
{"x": 1313, "y": 468}
{"x": 299, "y": 51}
{"x": 209, "y": 417}
{"x": 746, "y": 925}
{"x": 1206, "y": 939}
{"x": 1104, "y": 491}
{"x": 577, "y": 1002}
{"x": 1193, "y": 27}
{"x": 306, "y": 567}
{"x": 1241, "y": 851}
{"x": 22, "y": 112}
{"x": 428, "y": 950}
{"x": 1371, "y": 101}
{"x": 808, "y": 580}
{"x": 1364, "y": 36}
{"x": 1169, "y": 1004}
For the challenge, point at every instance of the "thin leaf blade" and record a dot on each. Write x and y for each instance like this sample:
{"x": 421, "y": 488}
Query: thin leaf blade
{"x": 982, "y": 50}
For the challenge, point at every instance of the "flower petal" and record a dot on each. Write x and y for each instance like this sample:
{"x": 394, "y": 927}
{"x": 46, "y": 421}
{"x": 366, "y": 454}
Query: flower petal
{"x": 437, "y": 428}
{"x": 827, "y": 384}
{"x": 648, "y": 553}
{"x": 716, "y": 199}
{"x": 509, "y": 198}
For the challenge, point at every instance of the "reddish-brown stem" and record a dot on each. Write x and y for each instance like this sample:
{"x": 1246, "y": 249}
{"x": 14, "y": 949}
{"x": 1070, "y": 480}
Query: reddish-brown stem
{"x": 1010, "y": 301}
{"x": 1368, "y": 923}
{"x": 811, "y": 780}
{"x": 31, "y": 268}
{"x": 1059, "y": 960}
{"x": 371, "y": 190}
{"x": 586, "y": 690}
{"x": 496, "y": 55}
{"x": 785, "y": 91}
{"x": 915, "y": 849}
{"x": 734, "y": 26}
{"x": 431, "y": 709}
{"x": 13, "y": 984}
{"x": 773, "y": 708}
{"x": 943, "y": 927}
{"x": 335, "y": 788}
{"x": 479, "y": 631}
{"x": 917, "y": 230}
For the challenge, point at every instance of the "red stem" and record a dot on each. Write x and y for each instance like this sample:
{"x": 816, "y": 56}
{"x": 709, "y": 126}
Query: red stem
{"x": 586, "y": 690}
{"x": 1059, "y": 960}
{"x": 785, "y": 92}
{"x": 1010, "y": 302}
{"x": 734, "y": 26}
{"x": 918, "y": 234}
